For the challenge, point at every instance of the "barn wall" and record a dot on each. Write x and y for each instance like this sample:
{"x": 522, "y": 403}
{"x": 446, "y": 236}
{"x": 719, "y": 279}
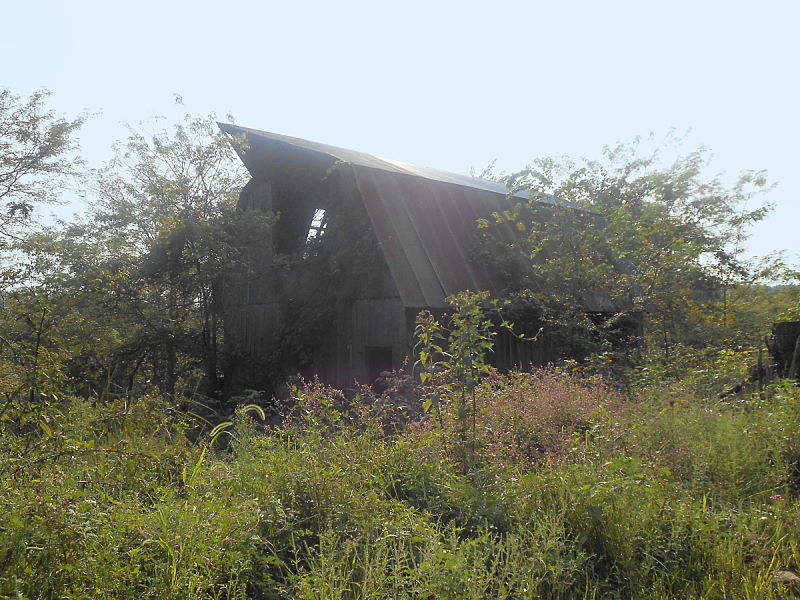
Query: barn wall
{"x": 512, "y": 352}
{"x": 337, "y": 314}
{"x": 372, "y": 338}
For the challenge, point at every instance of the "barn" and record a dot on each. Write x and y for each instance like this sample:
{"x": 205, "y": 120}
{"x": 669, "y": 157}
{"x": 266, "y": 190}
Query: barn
{"x": 359, "y": 246}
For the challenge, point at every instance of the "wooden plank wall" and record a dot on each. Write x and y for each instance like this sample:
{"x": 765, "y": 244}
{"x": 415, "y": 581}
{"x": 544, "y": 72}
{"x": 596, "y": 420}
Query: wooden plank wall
{"x": 363, "y": 323}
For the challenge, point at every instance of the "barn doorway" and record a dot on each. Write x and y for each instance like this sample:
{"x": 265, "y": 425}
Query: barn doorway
{"x": 379, "y": 359}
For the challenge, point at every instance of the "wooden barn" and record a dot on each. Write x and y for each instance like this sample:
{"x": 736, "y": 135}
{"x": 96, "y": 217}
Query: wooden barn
{"x": 359, "y": 246}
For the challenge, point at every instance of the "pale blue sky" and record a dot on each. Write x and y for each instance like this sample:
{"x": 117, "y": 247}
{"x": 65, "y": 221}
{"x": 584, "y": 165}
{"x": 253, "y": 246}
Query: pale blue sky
{"x": 451, "y": 85}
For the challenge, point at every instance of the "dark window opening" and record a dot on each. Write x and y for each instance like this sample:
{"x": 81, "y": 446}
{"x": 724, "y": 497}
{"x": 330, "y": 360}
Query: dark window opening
{"x": 300, "y": 227}
{"x": 379, "y": 359}
{"x": 291, "y": 228}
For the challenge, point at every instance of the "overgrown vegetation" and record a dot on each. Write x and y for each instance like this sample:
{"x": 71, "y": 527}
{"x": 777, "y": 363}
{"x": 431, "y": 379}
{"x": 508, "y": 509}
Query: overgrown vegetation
{"x": 665, "y": 242}
{"x": 573, "y": 491}
{"x": 126, "y": 472}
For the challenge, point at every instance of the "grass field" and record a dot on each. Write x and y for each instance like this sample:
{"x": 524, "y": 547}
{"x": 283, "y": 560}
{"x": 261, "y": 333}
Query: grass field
{"x": 559, "y": 487}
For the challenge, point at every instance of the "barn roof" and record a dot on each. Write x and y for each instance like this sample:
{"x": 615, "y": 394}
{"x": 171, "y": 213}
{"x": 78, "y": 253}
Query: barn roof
{"x": 360, "y": 159}
{"x": 424, "y": 219}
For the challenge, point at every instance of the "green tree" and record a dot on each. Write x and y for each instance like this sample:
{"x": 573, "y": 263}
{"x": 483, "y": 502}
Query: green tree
{"x": 166, "y": 212}
{"x": 127, "y": 297}
{"x": 37, "y": 151}
{"x": 662, "y": 240}
{"x": 452, "y": 358}
{"x": 38, "y": 154}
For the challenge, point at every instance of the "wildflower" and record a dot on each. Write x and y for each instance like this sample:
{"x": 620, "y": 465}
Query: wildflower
{"x": 776, "y": 497}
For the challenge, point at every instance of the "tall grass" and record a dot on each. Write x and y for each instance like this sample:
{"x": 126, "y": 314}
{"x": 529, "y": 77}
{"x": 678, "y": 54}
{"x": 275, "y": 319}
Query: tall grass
{"x": 574, "y": 492}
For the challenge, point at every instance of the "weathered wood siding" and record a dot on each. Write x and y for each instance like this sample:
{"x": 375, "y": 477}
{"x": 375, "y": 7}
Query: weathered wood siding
{"x": 339, "y": 327}
{"x": 365, "y": 325}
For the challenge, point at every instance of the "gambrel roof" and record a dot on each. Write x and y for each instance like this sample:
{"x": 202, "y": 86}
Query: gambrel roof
{"x": 425, "y": 219}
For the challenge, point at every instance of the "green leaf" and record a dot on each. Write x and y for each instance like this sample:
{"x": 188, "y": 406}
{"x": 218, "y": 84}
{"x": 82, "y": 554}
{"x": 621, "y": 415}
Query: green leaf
{"x": 595, "y": 513}
{"x": 254, "y": 408}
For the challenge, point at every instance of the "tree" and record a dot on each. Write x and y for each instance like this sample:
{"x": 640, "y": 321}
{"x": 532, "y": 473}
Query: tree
{"x": 664, "y": 241}
{"x": 37, "y": 331}
{"x": 37, "y": 150}
{"x": 37, "y": 154}
{"x": 166, "y": 213}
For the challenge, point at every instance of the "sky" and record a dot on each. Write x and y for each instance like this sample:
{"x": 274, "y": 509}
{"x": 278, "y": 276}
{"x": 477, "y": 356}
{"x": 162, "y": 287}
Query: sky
{"x": 449, "y": 85}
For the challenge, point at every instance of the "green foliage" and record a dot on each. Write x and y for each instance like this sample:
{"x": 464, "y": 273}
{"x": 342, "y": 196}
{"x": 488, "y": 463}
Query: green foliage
{"x": 166, "y": 205}
{"x": 791, "y": 292}
{"x": 663, "y": 496}
{"x": 452, "y": 357}
{"x": 662, "y": 241}
{"x": 36, "y": 155}
{"x": 127, "y": 300}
